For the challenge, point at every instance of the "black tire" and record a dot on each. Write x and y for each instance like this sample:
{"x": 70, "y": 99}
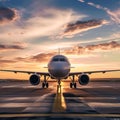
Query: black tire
{"x": 75, "y": 85}
{"x": 47, "y": 85}
{"x": 43, "y": 85}
{"x": 71, "y": 85}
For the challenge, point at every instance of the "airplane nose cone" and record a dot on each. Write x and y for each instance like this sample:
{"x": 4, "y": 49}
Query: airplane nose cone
{"x": 59, "y": 70}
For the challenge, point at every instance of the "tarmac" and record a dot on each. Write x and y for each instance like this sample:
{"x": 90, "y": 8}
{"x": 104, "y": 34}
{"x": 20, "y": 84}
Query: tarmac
{"x": 99, "y": 100}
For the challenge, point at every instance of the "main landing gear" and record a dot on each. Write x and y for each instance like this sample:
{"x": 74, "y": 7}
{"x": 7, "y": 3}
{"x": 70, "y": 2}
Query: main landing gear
{"x": 73, "y": 83}
{"x": 45, "y": 83}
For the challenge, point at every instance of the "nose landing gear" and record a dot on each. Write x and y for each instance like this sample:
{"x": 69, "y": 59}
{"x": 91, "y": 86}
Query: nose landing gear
{"x": 59, "y": 82}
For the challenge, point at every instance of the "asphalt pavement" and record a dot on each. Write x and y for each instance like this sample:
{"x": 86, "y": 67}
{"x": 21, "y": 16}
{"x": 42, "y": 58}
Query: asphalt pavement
{"x": 95, "y": 101}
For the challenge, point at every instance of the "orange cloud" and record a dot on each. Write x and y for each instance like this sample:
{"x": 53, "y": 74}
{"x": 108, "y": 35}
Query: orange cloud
{"x": 6, "y": 62}
{"x": 10, "y": 47}
{"x": 41, "y": 58}
{"x": 45, "y": 57}
{"x": 78, "y": 50}
{"x": 81, "y": 26}
{"x": 90, "y": 48}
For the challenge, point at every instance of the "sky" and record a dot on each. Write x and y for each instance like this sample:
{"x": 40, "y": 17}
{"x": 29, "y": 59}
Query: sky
{"x": 86, "y": 31}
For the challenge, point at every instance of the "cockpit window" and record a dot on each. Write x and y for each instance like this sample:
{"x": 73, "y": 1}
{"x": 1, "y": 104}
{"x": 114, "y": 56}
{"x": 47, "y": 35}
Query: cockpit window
{"x": 55, "y": 59}
{"x": 62, "y": 59}
{"x": 59, "y": 59}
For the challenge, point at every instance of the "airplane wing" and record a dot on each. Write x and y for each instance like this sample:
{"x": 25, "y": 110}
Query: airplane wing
{"x": 28, "y": 72}
{"x": 90, "y": 72}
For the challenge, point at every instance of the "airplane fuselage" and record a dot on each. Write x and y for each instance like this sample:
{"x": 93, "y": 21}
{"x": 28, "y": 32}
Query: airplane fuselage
{"x": 59, "y": 67}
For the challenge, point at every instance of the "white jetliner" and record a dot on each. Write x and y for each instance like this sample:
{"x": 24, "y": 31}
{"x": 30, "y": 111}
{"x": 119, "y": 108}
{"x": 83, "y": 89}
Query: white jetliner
{"x": 59, "y": 68}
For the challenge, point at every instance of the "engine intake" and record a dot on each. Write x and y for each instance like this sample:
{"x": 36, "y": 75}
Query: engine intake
{"x": 34, "y": 79}
{"x": 83, "y": 79}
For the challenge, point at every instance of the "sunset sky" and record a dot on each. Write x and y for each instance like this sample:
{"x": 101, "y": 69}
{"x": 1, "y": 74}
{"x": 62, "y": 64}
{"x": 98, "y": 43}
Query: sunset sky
{"x": 86, "y": 31}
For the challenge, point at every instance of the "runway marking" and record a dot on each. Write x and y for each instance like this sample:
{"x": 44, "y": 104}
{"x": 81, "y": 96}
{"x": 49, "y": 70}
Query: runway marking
{"x": 58, "y": 115}
{"x": 37, "y": 104}
{"x": 59, "y": 104}
{"x": 95, "y": 104}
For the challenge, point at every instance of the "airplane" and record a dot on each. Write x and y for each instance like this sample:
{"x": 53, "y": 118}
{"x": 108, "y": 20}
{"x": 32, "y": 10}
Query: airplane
{"x": 59, "y": 68}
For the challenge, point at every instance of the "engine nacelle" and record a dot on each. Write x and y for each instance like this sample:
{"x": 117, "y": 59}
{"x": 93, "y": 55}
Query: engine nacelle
{"x": 83, "y": 79}
{"x": 34, "y": 79}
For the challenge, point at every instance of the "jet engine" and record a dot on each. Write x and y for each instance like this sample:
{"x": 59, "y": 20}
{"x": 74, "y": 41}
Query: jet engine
{"x": 34, "y": 79}
{"x": 83, "y": 79}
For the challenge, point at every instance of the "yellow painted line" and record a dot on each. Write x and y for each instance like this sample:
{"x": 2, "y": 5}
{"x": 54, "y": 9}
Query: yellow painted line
{"x": 57, "y": 115}
{"x": 59, "y": 104}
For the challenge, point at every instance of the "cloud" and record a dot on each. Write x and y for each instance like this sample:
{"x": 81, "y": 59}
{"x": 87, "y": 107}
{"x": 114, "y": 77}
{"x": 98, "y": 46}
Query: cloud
{"x": 91, "y": 48}
{"x": 85, "y": 54}
{"x": 96, "y": 6}
{"x": 42, "y": 57}
{"x": 6, "y": 62}
{"x": 115, "y": 35}
{"x": 50, "y": 22}
{"x": 10, "y": 47}
{"x": 47, "y": 23}
{"x": 114, "y": 15}
{"x": 76, "y": 50}
{"x": 8, "y": 15}
{"x": 3, "y": 61}
{"x": 104, "y": 46}
{"x": 81, "y": 0}
{"x": 81, "y": 26}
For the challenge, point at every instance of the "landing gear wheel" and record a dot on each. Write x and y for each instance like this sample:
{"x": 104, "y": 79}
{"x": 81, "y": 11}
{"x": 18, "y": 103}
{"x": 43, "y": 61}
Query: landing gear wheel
{"x": 75, "y": 85}
{"x": 71, "y": 85}
{"x": 43, "y": 85}
{"x": 47, "y": 85}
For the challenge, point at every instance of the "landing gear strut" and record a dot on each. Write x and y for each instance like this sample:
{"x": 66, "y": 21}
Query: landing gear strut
{"x": 73, "y": 83}
{"x": 45, "y": 83}
{"x": 59, "y": 82}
